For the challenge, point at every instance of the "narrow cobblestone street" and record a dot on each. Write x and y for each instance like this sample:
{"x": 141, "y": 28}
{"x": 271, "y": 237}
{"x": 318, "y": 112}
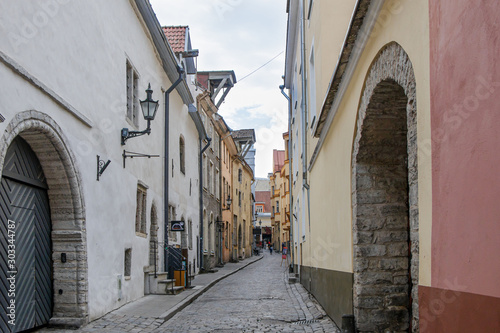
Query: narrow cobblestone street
{"x": 255, "y": 299}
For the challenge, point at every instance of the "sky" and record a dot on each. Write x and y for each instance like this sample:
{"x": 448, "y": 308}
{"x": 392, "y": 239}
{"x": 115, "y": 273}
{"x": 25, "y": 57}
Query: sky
{"x": 241, "y": 35}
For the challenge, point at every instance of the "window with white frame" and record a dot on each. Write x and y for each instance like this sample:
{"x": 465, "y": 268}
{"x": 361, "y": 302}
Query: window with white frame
{"x": 132, "y": 94}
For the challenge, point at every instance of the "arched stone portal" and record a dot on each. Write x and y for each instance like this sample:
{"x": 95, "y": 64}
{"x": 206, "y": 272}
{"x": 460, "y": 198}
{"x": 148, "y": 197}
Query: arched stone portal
{"x": 67, "y": 211}
{"x": 385, "y": 198}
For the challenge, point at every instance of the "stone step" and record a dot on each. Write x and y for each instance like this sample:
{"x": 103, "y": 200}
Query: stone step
{"x": 174, "y": 290}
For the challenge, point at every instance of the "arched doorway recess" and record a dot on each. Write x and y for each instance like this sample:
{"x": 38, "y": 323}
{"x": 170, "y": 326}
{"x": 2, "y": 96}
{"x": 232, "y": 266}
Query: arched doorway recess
{"x": 385, "y": 197}
{"x": 67, "y": 212}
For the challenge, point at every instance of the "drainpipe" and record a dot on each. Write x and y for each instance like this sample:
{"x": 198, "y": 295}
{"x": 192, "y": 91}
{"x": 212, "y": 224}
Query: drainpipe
{"x": 180, "y": 70}
{"x": 304, "y": 106}
{"x": 292, "y": 242}
{"x": 202, "y": 150}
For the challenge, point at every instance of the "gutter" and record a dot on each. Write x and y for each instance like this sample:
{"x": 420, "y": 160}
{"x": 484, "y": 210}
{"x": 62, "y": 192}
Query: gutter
{"x": 180, "y": 72}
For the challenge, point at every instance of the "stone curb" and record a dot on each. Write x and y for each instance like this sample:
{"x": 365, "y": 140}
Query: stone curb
{"x": 191, "y": 298}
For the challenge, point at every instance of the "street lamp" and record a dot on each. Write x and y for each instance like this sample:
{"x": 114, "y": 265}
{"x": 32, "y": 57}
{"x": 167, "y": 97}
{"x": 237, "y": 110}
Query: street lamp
{"x": 228, "y": 202}
{"x": 149, "y": 107}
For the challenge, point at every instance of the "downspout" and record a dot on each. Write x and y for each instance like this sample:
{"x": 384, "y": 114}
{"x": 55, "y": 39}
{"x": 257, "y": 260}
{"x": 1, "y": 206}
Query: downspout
{"x": 304, "y": 106}
{"x": 292, "y": 241}
{"x": 180, "y": 70}
{"x": 202, "y": 150}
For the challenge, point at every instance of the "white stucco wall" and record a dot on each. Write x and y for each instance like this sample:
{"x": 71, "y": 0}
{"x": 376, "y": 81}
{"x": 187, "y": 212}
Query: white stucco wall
{"x": 79, "y": 51}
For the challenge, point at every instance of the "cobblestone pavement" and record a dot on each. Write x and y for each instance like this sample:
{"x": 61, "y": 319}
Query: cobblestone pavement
{"x": 256, "y": 299}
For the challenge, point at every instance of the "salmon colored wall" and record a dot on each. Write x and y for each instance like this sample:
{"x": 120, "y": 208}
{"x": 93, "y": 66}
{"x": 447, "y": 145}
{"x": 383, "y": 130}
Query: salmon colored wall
{"x": 465, "y": 118}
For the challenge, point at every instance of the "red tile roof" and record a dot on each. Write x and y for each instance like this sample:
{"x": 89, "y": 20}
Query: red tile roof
{"x": 176, "y": 36}
{"x": 278, "y": 160}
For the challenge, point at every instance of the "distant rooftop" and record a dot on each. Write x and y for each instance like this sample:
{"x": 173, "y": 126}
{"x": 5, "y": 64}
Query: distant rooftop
{"x": 278, "y": 160}
{"x": 244, "y": 134}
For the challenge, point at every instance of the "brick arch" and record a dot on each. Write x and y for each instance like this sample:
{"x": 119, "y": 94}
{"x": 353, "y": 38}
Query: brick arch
{"x": 67, "y": 210}
{"x": 385, "y": 197}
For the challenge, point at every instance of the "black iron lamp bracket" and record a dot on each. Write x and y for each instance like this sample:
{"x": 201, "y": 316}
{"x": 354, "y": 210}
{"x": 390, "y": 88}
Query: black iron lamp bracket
{"x": 131, "y": 154}
{"x": 101, "y": 166}
{"x": 126, "y": 134}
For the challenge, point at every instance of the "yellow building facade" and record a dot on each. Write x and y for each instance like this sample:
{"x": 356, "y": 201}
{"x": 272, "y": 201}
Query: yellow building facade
{"x": 357, "y": 44}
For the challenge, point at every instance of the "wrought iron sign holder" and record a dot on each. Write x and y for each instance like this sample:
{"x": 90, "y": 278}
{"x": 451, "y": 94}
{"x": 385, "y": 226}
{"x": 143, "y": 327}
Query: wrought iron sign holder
{"x": 131, "y": 154}
{"x": 101, "y": 166}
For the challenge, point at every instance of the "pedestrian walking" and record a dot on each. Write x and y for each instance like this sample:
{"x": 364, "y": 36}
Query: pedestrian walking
{"x": 284, "y": 254}
{"x": 271, "y": 249}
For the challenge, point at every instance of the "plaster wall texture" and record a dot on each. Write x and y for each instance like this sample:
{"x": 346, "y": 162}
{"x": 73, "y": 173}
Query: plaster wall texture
{"x": 331, "y": 206}
{"x": 464, "y": 104}
{"x": 227, "y": 215}
{"x": 243, "y": 212}
{"x": 84, "y": 62}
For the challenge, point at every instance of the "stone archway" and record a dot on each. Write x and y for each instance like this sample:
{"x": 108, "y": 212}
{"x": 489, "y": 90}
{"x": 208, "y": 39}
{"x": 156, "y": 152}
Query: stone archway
{"x": 67, "y": 211}
{"x": 385, "y": 197}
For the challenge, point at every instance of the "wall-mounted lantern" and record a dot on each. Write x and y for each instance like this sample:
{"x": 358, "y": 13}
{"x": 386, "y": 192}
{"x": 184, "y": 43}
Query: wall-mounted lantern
{"x": 228, "y": 202}
{"x": 149, "y": 107}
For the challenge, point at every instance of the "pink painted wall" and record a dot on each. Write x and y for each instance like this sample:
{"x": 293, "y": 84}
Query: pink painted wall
{"x": 465, "y": 120}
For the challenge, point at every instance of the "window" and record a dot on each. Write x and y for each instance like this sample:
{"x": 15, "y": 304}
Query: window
{"x": 239, "y": 199}
{"x": 240, "y": 175}
{"x": 132, "y": 95}
{"x": 277, "y": 206}
{"x": 140, "y": 213}
{"x": 182, "y": 155}
{"x": 312, "y": 89}
{"x": 224, "y": 189}
{"x": 217, "y": 189}
{"x": 259, "y": 208}
{"x": 128, "y": 263}
{"x": 244, "y": 231}
{"x": 210, "y": 178}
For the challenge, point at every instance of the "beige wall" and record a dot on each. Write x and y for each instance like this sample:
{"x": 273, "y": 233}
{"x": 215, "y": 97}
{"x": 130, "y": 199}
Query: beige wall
{"x": 243, "y": 212}
{"x": 330, "y": 245}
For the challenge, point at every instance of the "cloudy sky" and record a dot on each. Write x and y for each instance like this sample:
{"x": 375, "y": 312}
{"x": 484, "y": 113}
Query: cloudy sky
{"x": 241, "y": 35}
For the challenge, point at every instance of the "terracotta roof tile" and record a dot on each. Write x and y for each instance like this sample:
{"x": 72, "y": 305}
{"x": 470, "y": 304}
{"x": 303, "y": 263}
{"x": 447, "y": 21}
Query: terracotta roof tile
{"x": 176, "y": 36}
